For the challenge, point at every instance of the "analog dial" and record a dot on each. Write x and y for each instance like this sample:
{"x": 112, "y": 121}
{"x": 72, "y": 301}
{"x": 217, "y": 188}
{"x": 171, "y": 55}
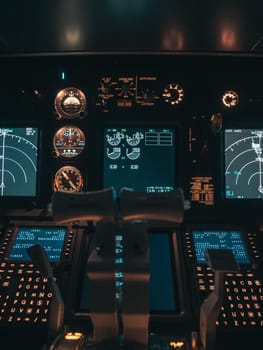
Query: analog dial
{"x": 69, "y": 141}
{"x": 68, "y": 179}
{"x": 70, "y": 103}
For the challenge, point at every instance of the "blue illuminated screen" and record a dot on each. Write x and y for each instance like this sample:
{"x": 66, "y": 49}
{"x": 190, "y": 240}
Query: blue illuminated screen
{"x": 221, "y": 239}
{"x": 18, "y": 161}
{"x": 50, "y": 238}
{"x": 243, "y": 163}
{"x": 139, "y": 158}
{"x": 163, "y": 295}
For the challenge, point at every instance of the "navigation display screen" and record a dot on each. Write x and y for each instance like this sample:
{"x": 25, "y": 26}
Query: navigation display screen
{"x": 219, "y": 239}
{"x": 139, "y": 158}
{"x": 243, "y": 164}
{"x": 50, "y": 238}
{"x": 18, "y": 161}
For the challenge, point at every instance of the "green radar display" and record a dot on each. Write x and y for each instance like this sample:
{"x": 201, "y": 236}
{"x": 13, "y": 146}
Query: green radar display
{"x": 243, "y": 163}
{"x": 18, "y": 161}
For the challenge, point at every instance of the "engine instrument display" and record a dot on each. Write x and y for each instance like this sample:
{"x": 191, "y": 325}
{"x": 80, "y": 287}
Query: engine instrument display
{"x": 18, "y": 161}
{"x": 69, "y": 141}
{"x": 134, "y": 156}
{"x": 68, "y": 179}
{"x": 243, "y": 163}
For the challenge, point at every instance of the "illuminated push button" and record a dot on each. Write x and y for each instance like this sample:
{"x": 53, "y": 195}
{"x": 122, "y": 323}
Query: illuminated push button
{"x": 70, "y": 340}
{"x": 176, "y": 345}
{"x": 73, "y": 335}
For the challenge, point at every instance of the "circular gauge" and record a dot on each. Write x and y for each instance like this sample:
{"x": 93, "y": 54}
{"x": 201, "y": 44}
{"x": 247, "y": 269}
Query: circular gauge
{"x": 134, "y": 153}
{"x": 68, "y": 179}
{"x": 69, "y": 141}
{"x": 70, "y": 103}
{"x": 230, "y": 99}
{"x": 114, "y": 139}
{"x": 115, "y": 153}
{"x": 135, "y": 139}
{"x": 173, "y": 93}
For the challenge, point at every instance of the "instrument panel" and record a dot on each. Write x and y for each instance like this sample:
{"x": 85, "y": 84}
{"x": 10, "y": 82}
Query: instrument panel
{"x": 54, "y": 124}
{"x": 80, "y": 122}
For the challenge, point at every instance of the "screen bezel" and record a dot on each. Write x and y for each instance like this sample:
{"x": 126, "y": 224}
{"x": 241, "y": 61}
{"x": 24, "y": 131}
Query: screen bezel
{"x": 235, "y": 208}
{"x": 178, "y": 173}
{"x": 225, "y": 228}
{"x": 15, "y": 233}
{"x": 252, "y": 199}
{"x": 32, "y": 201}
{"x": 178, "y": 280}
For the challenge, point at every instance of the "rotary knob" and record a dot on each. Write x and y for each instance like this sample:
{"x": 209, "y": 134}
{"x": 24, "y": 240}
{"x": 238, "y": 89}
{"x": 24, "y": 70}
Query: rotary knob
{"x": 173, "y": 94}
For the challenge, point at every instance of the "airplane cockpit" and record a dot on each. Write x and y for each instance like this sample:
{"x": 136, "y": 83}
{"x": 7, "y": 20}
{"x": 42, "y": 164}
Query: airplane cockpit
{"x": 131, "y": 176}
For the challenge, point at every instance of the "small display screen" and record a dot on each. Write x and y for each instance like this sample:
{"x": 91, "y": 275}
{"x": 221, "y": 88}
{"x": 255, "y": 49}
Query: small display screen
{"x": 163, "y": 297}
{"x": 50, "y": 238}
{"x": 219, "y": 239}
{"x": 162, "y": 293}
{"x": 139, "y": 158}
{"x": 243, "y": 164}
{"x": 18, "y": 161}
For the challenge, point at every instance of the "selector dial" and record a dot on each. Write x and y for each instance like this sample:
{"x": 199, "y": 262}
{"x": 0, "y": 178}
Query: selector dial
{"x": 173, "y": 94}
{"x": 70, "y": 103}
{"x": 230, "y": 99}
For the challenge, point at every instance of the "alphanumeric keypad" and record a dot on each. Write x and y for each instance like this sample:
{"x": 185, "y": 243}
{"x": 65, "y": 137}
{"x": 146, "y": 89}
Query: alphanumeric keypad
{"x": 243, "y": 302}
{"x": 24, "y": 294}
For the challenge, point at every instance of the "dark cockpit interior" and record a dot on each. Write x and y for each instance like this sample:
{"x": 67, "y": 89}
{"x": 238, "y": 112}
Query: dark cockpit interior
{"x": 131, "y": 175}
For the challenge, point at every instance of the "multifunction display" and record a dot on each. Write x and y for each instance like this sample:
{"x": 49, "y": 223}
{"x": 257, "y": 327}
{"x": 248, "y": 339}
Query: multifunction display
{"x": 50, "y": 238}
{"x": 219, "y": 239}
{"x": 243, "y": 163}
{"x": 18, "y": 161}
{"x": 139, "y": 158}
